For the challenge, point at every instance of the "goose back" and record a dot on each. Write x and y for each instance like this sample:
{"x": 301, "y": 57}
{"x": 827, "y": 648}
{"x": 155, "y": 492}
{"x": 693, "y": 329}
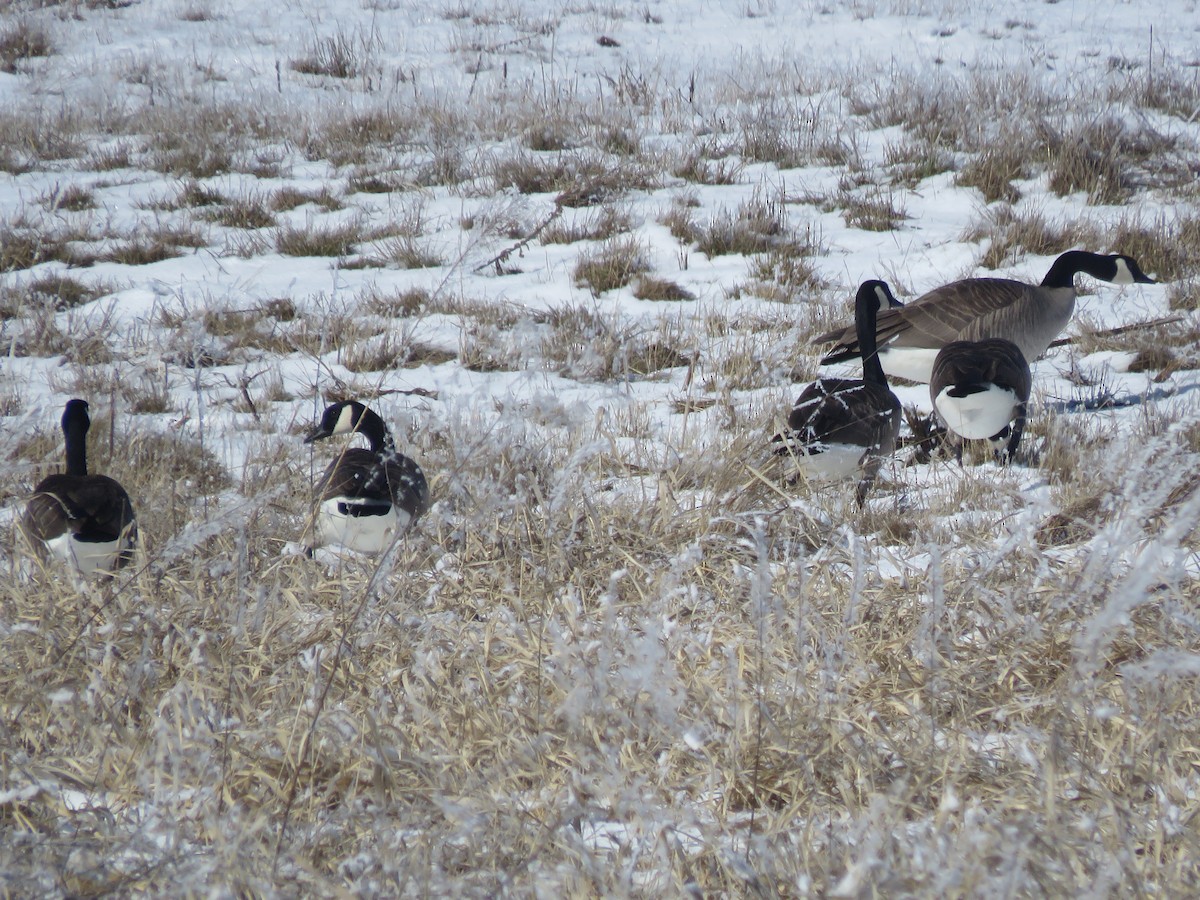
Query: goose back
{"x": 846, "y": 411}
{"x": 361, "y": 475}
{"x": 86, "y": 521}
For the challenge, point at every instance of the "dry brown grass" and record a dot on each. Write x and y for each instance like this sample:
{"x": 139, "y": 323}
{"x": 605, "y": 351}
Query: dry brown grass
{"x": 739, "y": 654}
{"x": 698, "y": 168}
{"x": 1168, "y": 244}
{"x": 319, "y": 239}
{"x": 759, "y": 225}
{"x": 287, "y": 198}
{"x": 1010, "y": 234}
{"x": 61, "y": 292}
{"x": 338, "y": 56}
{"x": 22, "y": 40}
{"x": 613, "y": 264}
{"x": 151, "y": 244}
{"x": 994, "y": 169}
{"x": 913, "y": 161}
{"x": 28, "y": 138}
{"x": 390, "y": 351}
{"x": 23, "y": 247}
{"x": 621, "y": 655}
{"x": 596, "y": 224}
{"x": 72, "y": 198}
{"x": 650, "y": 288}
{"x": 871, "y": 211}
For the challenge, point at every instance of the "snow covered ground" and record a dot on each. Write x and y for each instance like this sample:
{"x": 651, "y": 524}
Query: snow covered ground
{"x": 663, "y": 667}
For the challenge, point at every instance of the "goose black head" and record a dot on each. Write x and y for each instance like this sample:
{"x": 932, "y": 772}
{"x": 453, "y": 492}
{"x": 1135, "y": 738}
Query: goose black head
{"x": 75, "y": 416}
{"x": 1127, "y": 271}
{"x": 340, "y": 418}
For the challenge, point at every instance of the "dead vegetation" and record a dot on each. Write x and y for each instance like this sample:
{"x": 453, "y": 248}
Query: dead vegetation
{"x": 319, "y": 239}
{"x": 613, "y": 264}
{"x": 22, "y": 40}
{"x": 622, "y": 654}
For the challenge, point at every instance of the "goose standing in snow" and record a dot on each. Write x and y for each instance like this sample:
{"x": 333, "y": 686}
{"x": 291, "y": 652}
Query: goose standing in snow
{"x": 1031, "y": 316}
{"x": 366, "y": 496}
{"x": 85, "y": 521}
{"x": 840, "y": 427}
{"x": 978, "y": 388}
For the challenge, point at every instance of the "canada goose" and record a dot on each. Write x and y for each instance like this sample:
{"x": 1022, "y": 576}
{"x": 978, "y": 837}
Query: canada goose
{"x": 1030, "y": 316}
{"x": 979, "y": 387}
{"x": 842, "y": 426}
{"x": 366, "y": 496}
{"x": 84, "y": 520}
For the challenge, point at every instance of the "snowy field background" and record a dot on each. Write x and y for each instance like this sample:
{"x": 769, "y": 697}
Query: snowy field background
{"x": 574, "y": 254}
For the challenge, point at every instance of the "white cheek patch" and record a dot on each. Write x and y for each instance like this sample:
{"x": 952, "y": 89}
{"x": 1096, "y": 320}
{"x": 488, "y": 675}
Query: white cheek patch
{"x": 1123, "y": 276}
{"x": 345, "y": 422}
{"x": 881, "y": 294}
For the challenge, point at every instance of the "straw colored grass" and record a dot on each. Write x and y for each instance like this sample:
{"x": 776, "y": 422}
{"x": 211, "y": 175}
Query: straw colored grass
{"x": 598, "y": 661}
{"x": 626, "y": 652}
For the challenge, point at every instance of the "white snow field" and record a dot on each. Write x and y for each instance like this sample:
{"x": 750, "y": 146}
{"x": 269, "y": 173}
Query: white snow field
{"x": 575, "y": 254}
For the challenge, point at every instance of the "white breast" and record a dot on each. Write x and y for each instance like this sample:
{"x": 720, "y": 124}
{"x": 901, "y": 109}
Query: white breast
{"x": 913, "y": 363}
{"x": 834, "y": 462}
{"x": 980, "y": 415}
{"x": 366, "y": 534}
{"x": 89, "y": 558}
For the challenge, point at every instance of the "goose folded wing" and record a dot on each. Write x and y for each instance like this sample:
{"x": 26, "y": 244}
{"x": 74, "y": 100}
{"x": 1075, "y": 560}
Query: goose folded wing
{"x": 965, "y": 309}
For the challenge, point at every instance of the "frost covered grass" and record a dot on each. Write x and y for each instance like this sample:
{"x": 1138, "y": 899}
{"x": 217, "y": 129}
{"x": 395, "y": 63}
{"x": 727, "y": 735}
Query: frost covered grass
{"x": 624, "y": 653}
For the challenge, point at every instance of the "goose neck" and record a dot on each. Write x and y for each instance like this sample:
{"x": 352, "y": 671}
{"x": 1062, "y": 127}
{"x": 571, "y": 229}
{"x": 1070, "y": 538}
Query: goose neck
{"x": 76, "y": 441}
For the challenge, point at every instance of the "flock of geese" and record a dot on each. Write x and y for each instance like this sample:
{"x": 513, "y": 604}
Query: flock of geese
{"x": 970, "y": 341}
{"x": 366, "y": 496}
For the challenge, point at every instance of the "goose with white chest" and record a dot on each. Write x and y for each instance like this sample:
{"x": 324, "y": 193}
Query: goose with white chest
{"x": 366, "y": 496}
{"x": 980, "y": 390}
{"x": 84, "y": 521}
{"x": 1030, "y": 316}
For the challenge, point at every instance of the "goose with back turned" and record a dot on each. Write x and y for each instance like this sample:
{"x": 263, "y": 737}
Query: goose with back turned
{"x": 841, "y": 427}
{"x": 980, "y": 390}
{"x": 85, "y": 521}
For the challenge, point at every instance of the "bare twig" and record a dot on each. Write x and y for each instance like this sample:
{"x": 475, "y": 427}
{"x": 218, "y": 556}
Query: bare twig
{"x": 1122, "y": 329}
{"x": 500, "y": 258}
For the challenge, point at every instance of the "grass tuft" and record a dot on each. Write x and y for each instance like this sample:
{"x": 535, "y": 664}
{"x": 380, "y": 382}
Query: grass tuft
{"x": 22, "y": 40}
{"x": 659, "y": 289}
{"x": 337, "y": 56}
{"x": 319, "y": 239}
{"x": 611, "y": 265}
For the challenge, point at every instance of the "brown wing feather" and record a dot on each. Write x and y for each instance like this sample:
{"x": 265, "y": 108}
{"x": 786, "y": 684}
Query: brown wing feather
{"x": 351, "y": 475}
{"x": 963, "y": 309}
{"x": 92, "y": 507}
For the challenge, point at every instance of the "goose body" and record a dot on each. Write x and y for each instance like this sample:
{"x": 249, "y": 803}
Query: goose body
{"x": 979, "y": 387}
{"x": 842, "y": 427}
{"x": 366, "y": 496}
{"x": 83, "y": 521}
{"x": 1030, "y": 316}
